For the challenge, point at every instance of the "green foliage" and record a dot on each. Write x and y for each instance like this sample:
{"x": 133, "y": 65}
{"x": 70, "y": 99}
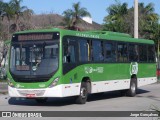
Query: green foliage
{"x": 18, "y": 11}
{"x": 115, "y": 21}
{"x": 121, "y": 19}
{"x": 72, "y": 16}
{"x": 13, "y": 10}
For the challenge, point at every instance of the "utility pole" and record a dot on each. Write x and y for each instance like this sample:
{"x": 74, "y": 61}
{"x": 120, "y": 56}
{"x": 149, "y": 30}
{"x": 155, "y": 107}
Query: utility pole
{"x": 158, "y": 54}
{"x": 135, "y": 18}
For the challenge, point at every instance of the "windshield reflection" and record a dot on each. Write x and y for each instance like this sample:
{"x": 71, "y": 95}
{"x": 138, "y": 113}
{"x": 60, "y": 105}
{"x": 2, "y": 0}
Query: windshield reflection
{"x": 34, "y": 58}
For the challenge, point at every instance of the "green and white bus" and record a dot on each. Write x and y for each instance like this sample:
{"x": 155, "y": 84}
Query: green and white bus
{"x": 62, "y": 63}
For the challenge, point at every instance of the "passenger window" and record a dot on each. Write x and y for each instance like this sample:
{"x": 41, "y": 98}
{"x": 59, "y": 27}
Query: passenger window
{"x": 110, "y": 52}
{"x": 151, "y": 53}
{"x": 133, "y": 52}
{"x": 97, "y": 51}
{"x": 122, "y": 53}
{"x": 83, "y": 46}
{"x": 142, "y": 53}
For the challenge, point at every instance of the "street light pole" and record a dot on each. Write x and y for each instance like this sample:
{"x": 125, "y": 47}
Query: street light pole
{"x": 158, "y": 56}
{"x": 135, "y": 18}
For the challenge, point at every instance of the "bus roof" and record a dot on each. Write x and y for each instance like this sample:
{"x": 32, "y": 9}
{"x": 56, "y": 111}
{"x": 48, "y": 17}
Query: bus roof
{"x": 104, "y": 35}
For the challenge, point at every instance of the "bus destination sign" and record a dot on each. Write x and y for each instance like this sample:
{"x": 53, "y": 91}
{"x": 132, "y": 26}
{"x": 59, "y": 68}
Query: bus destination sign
{"x": 26, "y": 37}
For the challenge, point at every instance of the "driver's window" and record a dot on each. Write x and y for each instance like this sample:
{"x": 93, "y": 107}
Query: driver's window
{"x": 69, "y": 52}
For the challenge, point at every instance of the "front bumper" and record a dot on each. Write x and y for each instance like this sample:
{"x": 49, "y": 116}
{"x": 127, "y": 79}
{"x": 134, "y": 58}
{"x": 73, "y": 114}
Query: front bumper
{"x": 47, "y": 92}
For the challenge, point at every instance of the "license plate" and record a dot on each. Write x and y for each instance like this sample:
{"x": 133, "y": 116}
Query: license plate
{"x": 30, "y": 95}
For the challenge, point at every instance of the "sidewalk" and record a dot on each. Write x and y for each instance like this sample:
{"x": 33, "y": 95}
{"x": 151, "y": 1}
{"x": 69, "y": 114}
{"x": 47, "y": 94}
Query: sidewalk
{"x": 3, "y": 87}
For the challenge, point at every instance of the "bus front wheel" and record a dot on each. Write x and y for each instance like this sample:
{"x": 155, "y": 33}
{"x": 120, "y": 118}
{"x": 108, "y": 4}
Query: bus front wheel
{"x": 82, "y": 98}
{"x": 133, "y": 88}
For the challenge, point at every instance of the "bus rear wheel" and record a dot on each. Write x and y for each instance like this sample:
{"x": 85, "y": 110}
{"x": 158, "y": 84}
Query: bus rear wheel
{"x": 82, "y": 98}
{"x": 133, "y": 88}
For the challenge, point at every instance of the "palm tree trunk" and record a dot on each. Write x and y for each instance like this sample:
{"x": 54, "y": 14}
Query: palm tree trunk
{"x": 8, "y": 29}
{"x": 17, "y": 23}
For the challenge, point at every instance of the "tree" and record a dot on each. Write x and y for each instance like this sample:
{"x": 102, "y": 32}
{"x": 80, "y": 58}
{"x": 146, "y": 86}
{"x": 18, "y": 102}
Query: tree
{"x": 12, "y": 16}
{"x": 68, "y": 18}
{"x": 115, "y": 21}
{"x": 147, "y": 20}
{"x": 18, "y": 11}
{"x": 1, "y": 8}
{"x": 73, "y": 16}
{"x": 8, "y": 13}
{"x": 121, "y": 19}
{"x": 13, "y": 11}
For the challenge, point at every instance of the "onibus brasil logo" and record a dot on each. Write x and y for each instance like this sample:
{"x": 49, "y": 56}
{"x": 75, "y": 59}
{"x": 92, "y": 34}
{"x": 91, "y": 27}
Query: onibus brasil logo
{"x": 133, "y": 68}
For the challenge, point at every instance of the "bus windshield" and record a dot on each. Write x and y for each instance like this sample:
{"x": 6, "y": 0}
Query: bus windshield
{"x": 34, "y": 58}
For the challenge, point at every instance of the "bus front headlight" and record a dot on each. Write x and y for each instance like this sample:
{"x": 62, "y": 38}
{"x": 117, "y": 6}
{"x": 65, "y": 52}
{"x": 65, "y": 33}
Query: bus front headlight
{"x": 54, "y": 83}
{"x": 10, "y": 83}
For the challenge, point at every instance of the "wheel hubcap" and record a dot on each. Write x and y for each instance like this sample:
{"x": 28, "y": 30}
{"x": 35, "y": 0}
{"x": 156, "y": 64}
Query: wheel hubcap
{"x": 133, "y": 88}
{"x": 83, "y": 93}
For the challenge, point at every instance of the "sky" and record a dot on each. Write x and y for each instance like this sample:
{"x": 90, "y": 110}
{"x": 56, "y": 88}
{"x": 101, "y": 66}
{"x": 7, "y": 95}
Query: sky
{"x": 97, "y": 8}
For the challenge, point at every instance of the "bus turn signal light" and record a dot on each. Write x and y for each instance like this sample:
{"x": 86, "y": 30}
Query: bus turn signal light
{"x": 158, "y": 72}
{"x": 54, "y": 83}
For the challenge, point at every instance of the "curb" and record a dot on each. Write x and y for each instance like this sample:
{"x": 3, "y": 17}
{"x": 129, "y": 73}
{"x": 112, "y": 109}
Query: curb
{"x": 3, "y": 87}
{"x": 3, "y": 92}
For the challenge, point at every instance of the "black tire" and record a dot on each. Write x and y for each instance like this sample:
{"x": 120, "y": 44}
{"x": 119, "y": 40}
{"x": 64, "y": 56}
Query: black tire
{"x": 133, "y": 88}
{"x": 41, "y": 100}
{"x": 82, "y": 98}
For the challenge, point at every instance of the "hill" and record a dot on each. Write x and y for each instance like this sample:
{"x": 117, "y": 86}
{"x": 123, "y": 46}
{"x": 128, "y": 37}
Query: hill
{"x": 55, "y": 20}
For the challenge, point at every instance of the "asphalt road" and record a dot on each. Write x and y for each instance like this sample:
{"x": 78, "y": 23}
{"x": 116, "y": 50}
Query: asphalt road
{"x": 148, "y": 97}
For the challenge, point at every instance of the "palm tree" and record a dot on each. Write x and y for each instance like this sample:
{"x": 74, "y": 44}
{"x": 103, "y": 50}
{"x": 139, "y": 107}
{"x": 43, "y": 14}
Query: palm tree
{"x": 1, "y": 8}
{"x": 8, "y": 13}
{"x": 12, "y": 11}
{"x": 68, "y": 18}
{"x": 115, "y": 21}
{"x": 73, "y": 16}
{"x": 147, "y": 18}
{"x": 120, "y": 19}
{"x": 18, "y": 11}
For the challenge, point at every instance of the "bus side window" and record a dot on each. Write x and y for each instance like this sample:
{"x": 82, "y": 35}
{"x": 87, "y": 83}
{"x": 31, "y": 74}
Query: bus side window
{"x": 122, "y": 53}
{"x": 110, "y": 52}
{"x": 97, "y": 54}
{"x": 83, "y": 51}
{"x": 133, "y": 53}
{"x": 69, "y": 53}
{"x": 151, "y": 53}
{"x": 143, "y": 53}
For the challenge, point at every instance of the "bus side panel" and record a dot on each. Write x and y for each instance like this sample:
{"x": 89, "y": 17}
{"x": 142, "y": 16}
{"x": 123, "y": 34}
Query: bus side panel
{"x": 107, "y": 77}
{"x": 146, "y": 74}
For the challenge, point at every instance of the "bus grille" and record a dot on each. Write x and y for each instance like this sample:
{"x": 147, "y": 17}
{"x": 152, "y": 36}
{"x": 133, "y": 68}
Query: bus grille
{"x": 38, "y": 93}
